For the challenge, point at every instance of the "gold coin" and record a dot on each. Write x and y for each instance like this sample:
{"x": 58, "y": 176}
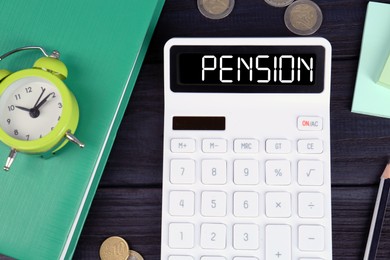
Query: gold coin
{"x": 303, "y": 17}
{"x": 215, "y": 9}
{"x": 114, "y": 248}
{"x": 216, "y": 6}
{"x": 134, "y": 255}
{"x": 279, "y": 3}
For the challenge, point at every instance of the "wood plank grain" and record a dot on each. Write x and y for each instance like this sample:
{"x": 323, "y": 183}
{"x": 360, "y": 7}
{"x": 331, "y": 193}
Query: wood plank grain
{"x": 128, "y": 201}
{"x": 132, "y": 213}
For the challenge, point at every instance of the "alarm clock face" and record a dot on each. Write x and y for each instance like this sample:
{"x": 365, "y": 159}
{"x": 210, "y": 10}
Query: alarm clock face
{"x": 30, "y": 108}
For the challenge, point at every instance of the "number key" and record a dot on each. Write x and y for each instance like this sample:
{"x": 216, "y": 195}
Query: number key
{"x": 213, "y": 203}
{"x": 246, "y": 172}
{"x": 214, "y": 171}
{"x": 181, "y": 203}
{"x": 181, "y": 235}
{"x": 246, "y": 204}
{"x": 213, "y": 236}
{"x": 246, "y": 236}
{"x": 182, "y": 171}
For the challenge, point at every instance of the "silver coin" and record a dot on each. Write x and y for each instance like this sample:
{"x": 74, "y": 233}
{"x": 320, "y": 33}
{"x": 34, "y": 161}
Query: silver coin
{"x": 303, "y": 17}
{"x": 279, "y": 3}
{"x": 215, "y": 9}
{"x": 134, "y": 255}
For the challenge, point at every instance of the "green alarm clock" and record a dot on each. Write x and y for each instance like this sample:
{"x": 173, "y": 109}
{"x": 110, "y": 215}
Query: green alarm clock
{"x": 39, "y": 114}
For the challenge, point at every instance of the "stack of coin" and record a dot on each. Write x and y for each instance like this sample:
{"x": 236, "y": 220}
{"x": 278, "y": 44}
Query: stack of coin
{"x": 215, "y": 9}
{"x": 116, "y": 248}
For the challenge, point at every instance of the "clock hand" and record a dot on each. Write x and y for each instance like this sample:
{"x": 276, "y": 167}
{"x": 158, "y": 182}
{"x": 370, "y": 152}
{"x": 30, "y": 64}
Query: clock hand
{"x": 43, "y": 101}
{"x": 43, "y": 90}
{"x": 23, "y": 108}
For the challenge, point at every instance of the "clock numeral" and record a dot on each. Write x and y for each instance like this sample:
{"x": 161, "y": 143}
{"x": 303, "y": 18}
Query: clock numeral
{"x": 11, "y": 108}
{"x": 59, "y": 118}
{"x": 16, "y": 132}
{"x": 9, "y": 121}
{"x": 59, "y": 105}
{"x": 17, "y": 96}
{"x": 27, "y": 137}
{"x": 28, "y": 89}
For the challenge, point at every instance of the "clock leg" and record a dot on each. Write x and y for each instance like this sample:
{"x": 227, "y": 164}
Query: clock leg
{"x": 10, "y": 159}
{"x": 74, "y": 139}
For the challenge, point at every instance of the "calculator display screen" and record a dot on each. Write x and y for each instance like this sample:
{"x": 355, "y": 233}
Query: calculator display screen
{"x": 247, "y": 69}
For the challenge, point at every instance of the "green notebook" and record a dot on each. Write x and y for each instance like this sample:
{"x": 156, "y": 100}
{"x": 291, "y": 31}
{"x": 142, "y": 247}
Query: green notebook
{"x": 44, "y": 202}
{"x": 370, "y": 97}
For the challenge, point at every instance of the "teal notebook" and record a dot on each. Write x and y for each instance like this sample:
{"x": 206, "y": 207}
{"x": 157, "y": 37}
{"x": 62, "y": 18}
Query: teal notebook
{"x": 44, "y": 202}
{"x": 369, "y": 97}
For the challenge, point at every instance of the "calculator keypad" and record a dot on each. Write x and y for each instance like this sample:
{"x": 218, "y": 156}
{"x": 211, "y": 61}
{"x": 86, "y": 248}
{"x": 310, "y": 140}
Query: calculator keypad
{"x": 223, "y": 194}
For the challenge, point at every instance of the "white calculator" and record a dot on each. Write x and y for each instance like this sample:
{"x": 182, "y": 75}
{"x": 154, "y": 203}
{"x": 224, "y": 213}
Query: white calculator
{"x": 246, "y": 170}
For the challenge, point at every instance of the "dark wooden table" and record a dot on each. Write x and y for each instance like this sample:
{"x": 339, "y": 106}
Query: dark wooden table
{"x": 128, "y": 201}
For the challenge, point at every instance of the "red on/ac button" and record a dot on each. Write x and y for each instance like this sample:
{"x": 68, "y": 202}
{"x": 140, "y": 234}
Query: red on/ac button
{"x": 309, "y": 123}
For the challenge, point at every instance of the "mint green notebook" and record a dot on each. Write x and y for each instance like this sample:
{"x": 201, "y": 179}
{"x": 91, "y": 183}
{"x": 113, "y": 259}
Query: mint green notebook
{"x": 369, "y": 97}
{"x": 44, "y": 202}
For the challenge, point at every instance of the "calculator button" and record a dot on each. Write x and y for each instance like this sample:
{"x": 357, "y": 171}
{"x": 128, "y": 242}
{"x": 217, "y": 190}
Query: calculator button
{"x": 245, "y": 204}
{"x": 278, "y": 242}
{"x": 181, "y": 235}
{"x": 311, "y": 238}
{"x": 311, "y": 205}
{"x": 214, "y": 171}
{"x": 213, "y": 203}
{"x": 213, "y": 236}
{"x": 245, "y": 258}
{"x": 278, "y": 204}
{"x": 277, "y": 172}
{"x": 277, "y": 146}
{"x": 182, "y": 171}
{"x": 180, "y": 257}
{"x": 310, "y": 172}
{"x": 246, "y": 172}
{"x": 212, "y": 258}
{"x": 245, "y": 237}
{"x": 185, "y": 145}
{"x": 310, "y": 146}
{"x": 214, "y": 145}
{"x": 246, "y": 146}
{"x": 181, "y": 203}
{"x": 309, "y": 123}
